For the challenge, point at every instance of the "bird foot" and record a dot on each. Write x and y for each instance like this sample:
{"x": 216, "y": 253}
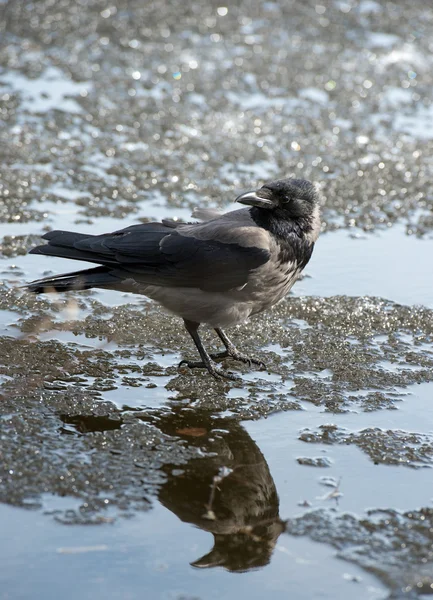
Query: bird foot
{"x": 214, "y": 369}
{"x": 236, "y": 355}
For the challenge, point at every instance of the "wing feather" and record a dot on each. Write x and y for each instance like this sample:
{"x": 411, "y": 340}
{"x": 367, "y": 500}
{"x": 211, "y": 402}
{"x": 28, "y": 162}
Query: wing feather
{"x": 154, "y": 254}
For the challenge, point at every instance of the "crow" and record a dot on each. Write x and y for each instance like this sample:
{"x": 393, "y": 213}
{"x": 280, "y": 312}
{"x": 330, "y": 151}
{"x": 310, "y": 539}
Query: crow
{"x": 219, "y": 271}
{"x": 228, "y": 492}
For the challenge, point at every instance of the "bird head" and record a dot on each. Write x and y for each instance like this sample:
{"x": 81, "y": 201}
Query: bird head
{"x": 296, "y": 197}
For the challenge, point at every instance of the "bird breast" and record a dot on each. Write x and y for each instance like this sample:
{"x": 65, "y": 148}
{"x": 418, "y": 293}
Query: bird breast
{"x": 269, "y": 284}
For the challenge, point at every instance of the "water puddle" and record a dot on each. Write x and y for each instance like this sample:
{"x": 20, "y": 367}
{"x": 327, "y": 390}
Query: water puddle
{"x": 192, "y": 488}
{"x": 91, "y": 562}
{"x": 8, "y": 320}
{"x": 413, "y": 413}
{"x": 80, "y": 341}
{"x": 389, "y": 265}
{"x": 148, "y": 392}
{"x": 298, "y": 484}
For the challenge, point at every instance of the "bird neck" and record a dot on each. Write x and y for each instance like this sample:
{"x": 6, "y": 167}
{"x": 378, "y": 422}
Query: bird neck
{"x": 294, "y": 235}
{"x": 280, "y": 223}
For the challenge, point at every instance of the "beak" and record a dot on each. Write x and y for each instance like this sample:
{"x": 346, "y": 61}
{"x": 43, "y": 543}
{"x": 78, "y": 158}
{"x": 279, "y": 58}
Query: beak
{"x": 255, "y": 199}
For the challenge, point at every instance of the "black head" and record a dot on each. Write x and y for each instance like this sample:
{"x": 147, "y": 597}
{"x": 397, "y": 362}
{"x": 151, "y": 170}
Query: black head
{"x": 295, "y": 197}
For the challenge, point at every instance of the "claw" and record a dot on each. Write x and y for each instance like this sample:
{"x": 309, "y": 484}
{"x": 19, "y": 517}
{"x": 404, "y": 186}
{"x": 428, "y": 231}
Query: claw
{"x": 212, "y": 368}
{"x": 235, "y": 355}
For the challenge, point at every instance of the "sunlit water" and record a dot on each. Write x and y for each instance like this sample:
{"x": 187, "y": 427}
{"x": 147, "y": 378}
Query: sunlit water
{"x": 266, "y": 131}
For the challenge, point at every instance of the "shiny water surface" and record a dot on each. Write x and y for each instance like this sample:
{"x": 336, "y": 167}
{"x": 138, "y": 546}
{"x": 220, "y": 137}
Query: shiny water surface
{"x": 123, "y": 476}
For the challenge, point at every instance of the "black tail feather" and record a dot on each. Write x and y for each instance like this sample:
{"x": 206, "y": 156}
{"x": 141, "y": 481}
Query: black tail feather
{"x": 62, "y": 245}
{"x": 100, "y": 277}
{"x": 62, "y": 252}
{"x": 65, "y": 238}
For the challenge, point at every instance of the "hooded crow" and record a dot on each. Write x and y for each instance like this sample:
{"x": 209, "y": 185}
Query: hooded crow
{"x": 218, "y": 272}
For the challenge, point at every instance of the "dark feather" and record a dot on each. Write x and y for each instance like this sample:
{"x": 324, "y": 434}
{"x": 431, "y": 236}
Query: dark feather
{"x": 78, "y": 280}
{"x": 293, "y": 247}
{"x": 63, "y": 245}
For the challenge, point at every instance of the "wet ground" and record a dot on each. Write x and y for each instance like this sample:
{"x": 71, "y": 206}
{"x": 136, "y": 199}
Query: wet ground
{"x": 123, "y": 476}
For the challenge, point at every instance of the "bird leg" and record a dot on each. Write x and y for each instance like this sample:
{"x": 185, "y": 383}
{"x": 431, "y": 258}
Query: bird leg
{"x": 232, "y": 352}
{"x": 206, "y": 360}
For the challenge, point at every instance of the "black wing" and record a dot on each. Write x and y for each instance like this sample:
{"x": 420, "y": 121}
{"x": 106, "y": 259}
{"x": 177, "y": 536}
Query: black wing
{"x": 155, "y": 254}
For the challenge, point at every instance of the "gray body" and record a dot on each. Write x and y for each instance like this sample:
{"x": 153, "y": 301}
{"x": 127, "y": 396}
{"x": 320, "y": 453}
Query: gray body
{"x": 266, "y": 285}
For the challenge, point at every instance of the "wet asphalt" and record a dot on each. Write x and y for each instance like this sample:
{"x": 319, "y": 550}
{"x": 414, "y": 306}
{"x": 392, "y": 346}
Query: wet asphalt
{"x": 123, "y": 476}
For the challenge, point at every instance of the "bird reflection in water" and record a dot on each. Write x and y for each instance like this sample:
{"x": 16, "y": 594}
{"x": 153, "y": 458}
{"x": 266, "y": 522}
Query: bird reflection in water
{"x": 229, "y": 493}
